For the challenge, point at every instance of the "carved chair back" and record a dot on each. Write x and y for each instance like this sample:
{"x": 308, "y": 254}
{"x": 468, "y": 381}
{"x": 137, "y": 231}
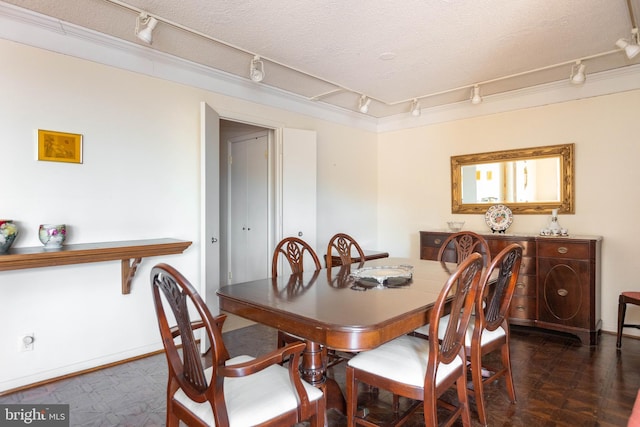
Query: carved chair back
{"x": 343, "y": 245}
{"x": 464, "y": 243}
{"x": 293, "y": 250}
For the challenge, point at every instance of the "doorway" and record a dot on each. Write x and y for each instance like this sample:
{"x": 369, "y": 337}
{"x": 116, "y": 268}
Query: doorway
{"x": 291, "y": 192}
{"x": 246, "y": 201}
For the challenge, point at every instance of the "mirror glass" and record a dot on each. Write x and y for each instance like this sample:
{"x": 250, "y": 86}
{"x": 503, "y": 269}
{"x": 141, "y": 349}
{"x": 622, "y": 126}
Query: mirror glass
{"x": 530, "y": 180}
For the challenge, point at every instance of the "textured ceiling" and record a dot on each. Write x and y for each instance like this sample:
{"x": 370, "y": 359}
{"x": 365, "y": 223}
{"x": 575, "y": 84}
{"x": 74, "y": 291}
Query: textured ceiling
{"x": 332, "y": 51}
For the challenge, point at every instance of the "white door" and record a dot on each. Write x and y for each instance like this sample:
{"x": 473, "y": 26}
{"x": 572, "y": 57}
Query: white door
{"x": 210, "y": 205}
{"x": 298, "y": 188}
{"x": 210, "y": 210}
{"x": 249, "y": 202}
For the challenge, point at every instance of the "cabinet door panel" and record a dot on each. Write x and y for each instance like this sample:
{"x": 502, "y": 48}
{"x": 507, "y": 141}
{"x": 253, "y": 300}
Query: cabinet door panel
{"x": 564, "y": 294}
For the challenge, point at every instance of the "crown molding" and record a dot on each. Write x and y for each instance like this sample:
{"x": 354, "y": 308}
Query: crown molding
{"x": 41, "y": 31}
{"x": 44, "y": 32}
{"x": 600, "y": 84}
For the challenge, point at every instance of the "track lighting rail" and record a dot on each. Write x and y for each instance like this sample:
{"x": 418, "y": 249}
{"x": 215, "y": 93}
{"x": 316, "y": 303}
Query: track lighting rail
{"x": 361, "y": 96}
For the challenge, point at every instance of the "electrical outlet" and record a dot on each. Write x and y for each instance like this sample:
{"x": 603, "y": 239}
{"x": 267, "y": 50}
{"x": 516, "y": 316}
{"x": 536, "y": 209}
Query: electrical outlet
{"x": 27, "y": 341}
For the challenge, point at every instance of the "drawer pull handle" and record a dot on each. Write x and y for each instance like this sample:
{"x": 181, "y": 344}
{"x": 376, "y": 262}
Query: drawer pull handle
{"x": 563, "y": 292}
{"x": 437, "y": 241}
{"x": 562, "y": 250}
{"x": 520, "y": 307}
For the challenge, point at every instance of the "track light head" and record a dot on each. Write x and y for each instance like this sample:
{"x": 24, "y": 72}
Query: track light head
{"x": 363, "y": 104}
{"x": 632, "y": 48}
{"x": 415, "y": 108}
{"x": 578, "y": 76}
{"x": 475, "y": 95}
{"x": 146, "y": 34}
{"x": 256, "y": 71}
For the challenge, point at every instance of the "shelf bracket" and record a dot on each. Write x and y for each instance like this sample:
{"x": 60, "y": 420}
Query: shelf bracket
{"x": 129, "y": 268}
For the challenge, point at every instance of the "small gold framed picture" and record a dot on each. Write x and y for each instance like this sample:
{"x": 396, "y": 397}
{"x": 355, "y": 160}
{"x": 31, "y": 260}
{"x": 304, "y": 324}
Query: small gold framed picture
{"x": 59, "y": 146}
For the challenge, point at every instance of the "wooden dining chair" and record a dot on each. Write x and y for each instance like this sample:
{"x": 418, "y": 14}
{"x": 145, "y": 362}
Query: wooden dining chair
{"x": 293, "y": 250}
{"x": 423, "y": 370}
{"x": 489, "y": 331}
{"x": 455, "y": 249}
{"x": 458, "y": 246}
{"x": 343, "y": 245}
{"x": 240, "y": 391}
{"x": 624, "y": 299}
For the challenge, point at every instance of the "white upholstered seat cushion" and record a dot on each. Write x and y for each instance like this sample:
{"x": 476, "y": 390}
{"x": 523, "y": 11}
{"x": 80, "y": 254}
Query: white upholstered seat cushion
{"x": 252, "y": 399}
{"x": 487, "y": 336}
{"x": 403, "y": 360}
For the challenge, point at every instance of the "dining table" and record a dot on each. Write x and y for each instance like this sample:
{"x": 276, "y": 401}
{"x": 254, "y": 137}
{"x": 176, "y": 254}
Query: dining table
{"x": 340, "y": 309}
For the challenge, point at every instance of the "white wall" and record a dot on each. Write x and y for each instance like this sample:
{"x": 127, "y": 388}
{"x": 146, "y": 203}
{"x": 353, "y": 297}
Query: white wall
{"x": 139, "y": 179}
{"x": 414, "y": 180}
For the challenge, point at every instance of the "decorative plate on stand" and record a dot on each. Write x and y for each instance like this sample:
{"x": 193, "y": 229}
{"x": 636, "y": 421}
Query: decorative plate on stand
{"x": 498, "y": 218}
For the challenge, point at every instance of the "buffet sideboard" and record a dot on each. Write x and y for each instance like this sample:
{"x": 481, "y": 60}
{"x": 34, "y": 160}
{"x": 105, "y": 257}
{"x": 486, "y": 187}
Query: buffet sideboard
{"x": 559, "y": 283}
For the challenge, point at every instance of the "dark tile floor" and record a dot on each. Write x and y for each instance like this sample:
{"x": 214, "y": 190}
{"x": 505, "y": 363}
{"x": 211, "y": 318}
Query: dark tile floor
{"x": 558, "y": 383}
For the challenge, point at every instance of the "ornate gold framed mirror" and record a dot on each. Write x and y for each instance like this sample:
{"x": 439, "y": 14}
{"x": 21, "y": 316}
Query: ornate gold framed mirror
{"x": 528, "y": 181}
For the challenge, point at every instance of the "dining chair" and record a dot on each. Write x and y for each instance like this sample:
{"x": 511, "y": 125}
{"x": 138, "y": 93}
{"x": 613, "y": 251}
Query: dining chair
{"x": 343, "y": 245}
{"x": 238, "y": 391}
{"x": 423, "y": 370}
{"x": 489, "y": 331}
{"x": 624, "y": 299}
{"x": 458, "y": 246}
{"x": 293, "y": 250}
{"x": 455, "y": 249}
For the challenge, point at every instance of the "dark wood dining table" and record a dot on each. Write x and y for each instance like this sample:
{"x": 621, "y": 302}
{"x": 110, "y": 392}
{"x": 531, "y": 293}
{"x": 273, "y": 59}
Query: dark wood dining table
{"x": 326, "y": 310}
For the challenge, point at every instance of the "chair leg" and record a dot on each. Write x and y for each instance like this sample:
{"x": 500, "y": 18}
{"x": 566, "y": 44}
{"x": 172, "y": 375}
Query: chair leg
{"x": 319, "y": 419}
{"x": 622, "y": 310}
{"x": 430, "y": 409}
{"x": 463, "y": 400}
{"x": 508, "y": 377}
{"x": 172, "y": 419}
{"x": 478, "y": 385}
{"x": 352, "y": 396}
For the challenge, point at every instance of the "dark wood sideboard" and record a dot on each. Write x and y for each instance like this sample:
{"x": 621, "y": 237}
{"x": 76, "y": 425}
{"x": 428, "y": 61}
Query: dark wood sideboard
{"x": 559, "y": 283}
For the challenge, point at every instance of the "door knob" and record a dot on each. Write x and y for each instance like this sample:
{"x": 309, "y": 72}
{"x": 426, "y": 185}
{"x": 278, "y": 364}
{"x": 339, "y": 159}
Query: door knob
{"x": 299, "y": 233}
{"x": 214, "y": 239}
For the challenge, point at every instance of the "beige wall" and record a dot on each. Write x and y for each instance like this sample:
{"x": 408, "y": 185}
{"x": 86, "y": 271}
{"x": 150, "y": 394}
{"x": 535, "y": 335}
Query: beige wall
{"x": 140, "y": 179}
{"x": 414, "y": 183}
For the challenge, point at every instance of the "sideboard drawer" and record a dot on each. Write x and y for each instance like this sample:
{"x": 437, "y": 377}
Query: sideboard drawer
{"x": 430, "y": 244}
{"x": 498, "y": 244}
{"x": 434, "y": 240}
{"x": 528, "y": 265}
{"x": 555, "y": 249}
{"x": 525, "y": 286}
{"x": 523, "y": 307}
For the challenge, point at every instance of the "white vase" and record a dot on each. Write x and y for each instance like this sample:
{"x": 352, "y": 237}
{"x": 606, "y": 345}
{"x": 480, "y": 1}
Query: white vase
{"x": 554, "y": 226}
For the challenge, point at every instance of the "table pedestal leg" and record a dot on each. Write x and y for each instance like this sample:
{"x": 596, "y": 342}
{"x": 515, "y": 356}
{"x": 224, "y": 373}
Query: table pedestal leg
{"x": 314, "y": 370}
